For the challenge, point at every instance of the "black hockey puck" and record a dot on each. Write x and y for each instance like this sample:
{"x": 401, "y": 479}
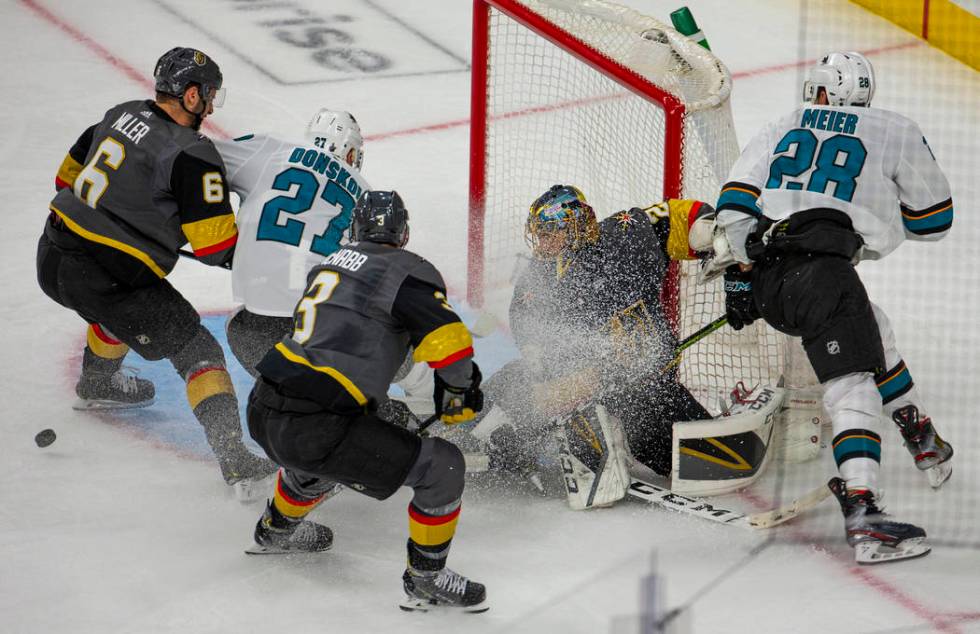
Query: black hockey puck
{"x": 45, "y": 437}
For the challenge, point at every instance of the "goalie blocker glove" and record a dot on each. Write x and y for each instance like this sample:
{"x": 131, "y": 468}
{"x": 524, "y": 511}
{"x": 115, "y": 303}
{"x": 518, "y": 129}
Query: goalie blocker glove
{"x": 740, "y": 306}
{"x": 456, "y": 405}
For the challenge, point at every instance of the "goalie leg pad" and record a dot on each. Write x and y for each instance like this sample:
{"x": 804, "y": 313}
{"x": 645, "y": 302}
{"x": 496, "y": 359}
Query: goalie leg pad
{"x": 594, "y": 458}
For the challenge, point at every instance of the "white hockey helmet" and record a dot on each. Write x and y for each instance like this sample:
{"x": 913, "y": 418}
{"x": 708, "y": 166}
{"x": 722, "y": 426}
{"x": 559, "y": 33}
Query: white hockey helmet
{"x": 847, "y": 77}
{"x": 337, "y": 132}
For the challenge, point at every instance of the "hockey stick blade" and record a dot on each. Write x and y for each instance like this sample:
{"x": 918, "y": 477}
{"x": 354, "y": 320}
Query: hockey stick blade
{"x": 706, "y": 510}
{"x": 782, "y": 514}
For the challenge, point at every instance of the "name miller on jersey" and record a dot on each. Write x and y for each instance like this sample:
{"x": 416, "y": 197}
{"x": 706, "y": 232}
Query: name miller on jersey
{"x": 131, "y": 127}
{"x": 346, "y": 259}
{"x": 327, "y": 165}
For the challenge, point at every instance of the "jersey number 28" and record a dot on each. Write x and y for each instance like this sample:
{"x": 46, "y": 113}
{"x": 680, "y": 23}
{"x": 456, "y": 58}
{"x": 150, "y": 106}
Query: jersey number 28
{"x": 838, "y": 159}
{"x": 291, "y": 231}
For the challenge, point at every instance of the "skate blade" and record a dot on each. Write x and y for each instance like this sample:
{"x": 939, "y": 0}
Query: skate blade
{"x": 83, "y": 404}
{"x": 939, "y": 474}
{"x": 874, "y": 552}
{"x": 258, "y": 549}
{"x": 411, "y": 604}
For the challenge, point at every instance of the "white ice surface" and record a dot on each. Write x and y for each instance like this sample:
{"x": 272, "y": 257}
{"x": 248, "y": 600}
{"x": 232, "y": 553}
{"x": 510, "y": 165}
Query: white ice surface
{"x": 111, "y": 530}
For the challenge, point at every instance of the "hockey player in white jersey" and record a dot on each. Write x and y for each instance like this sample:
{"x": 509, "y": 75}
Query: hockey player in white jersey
{"x": 296, "y": 202}
{"x": 832, "y": 183}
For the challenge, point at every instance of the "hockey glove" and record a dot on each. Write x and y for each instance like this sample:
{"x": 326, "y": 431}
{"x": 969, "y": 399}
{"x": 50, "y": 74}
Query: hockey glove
{"x": 739, "y": 304}
{"x": 456, "y": 405}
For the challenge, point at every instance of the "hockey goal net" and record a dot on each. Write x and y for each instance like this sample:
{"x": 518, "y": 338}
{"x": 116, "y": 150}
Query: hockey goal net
{"x": 593, "y": 94}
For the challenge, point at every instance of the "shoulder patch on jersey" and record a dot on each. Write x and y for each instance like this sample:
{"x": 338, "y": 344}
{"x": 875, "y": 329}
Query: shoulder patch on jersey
{"x": 625, "y": 219}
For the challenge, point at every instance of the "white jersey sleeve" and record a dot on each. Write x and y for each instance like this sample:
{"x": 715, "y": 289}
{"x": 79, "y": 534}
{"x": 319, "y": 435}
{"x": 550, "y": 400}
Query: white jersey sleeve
{"x": 869, "y": 163}
{"x": 740, "y": 195}
{"x": 296, "y": 208}
{"x": 920, "y": 185}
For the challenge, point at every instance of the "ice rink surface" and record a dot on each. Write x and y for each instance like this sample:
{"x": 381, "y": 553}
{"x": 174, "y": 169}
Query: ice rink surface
{"x": 119, "y": 528}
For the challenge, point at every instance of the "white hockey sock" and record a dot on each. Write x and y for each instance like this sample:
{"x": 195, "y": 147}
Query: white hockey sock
{"x": 854, "y": 406}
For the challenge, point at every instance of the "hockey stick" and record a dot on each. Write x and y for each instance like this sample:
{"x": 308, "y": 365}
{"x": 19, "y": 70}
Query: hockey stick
{"x": 702, "y": 508}
{"x": 686, "y": 343}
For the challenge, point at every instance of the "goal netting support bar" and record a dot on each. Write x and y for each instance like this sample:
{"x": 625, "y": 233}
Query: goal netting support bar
{"x": 619, "y": 104}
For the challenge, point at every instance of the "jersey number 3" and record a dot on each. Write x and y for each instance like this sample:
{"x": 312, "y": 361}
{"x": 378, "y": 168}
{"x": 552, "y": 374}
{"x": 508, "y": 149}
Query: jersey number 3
{"x": 839, "y": 159}
{"x": 319, "y": 291}
{"x": 291, "y": 231}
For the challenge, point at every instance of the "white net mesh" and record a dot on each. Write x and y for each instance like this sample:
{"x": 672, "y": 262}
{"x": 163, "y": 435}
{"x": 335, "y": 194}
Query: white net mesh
{"x": 552, "y": 118}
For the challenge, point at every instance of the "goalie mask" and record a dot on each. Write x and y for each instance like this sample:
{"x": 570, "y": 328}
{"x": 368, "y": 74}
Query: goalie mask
{"x": 380, "y": 217}
{"x": 560, "y": 219}
{"x": 337, "y": 132}
{"x": 847, "y": 78}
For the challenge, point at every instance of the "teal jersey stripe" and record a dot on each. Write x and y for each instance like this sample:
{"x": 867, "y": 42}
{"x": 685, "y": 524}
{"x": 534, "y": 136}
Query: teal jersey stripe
{"x": 930, "y": 224}
{"x": 738, "y": 200}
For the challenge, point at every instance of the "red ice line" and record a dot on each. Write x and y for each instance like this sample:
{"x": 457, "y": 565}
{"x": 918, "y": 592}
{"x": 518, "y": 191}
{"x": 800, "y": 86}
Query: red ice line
{"x": 104, "y": 53}
{"x": 942, "y": 621}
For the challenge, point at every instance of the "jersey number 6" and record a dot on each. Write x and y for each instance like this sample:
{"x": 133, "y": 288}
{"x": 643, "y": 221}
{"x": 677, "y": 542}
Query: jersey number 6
{"x": 291, "y": 231}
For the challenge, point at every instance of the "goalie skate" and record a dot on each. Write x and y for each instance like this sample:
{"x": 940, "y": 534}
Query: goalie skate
{"x": 443, "y": 590}
{"x": 875, "y": 538}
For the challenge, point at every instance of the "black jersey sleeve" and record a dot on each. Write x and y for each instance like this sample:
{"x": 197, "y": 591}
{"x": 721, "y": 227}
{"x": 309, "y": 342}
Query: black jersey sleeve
{"x": 438, "y": 335}
{"x": 74, "y": 160}
{"x": 206, "y": 217}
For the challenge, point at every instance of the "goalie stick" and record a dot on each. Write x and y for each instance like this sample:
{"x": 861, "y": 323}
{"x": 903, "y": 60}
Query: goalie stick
{"x": 700, "y": 507}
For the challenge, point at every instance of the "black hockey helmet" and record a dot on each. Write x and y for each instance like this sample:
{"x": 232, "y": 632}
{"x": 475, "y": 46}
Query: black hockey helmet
{"x": 380, "y": 216}
{"x": 180, "y": 67}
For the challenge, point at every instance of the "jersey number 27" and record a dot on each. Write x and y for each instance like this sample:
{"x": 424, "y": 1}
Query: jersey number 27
{"x": 838, "y": 159}
{"x": 291, "y": 231}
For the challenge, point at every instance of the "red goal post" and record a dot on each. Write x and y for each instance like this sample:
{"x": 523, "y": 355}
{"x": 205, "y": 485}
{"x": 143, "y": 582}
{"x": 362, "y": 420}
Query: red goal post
{"x": 593, "y": 94}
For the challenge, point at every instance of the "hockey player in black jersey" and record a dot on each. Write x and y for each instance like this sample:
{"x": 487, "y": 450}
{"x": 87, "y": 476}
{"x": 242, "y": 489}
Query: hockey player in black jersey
{"x": 132, "y": 190}
{"x": 587, "y": 316}
{"x": 313, "y": 408}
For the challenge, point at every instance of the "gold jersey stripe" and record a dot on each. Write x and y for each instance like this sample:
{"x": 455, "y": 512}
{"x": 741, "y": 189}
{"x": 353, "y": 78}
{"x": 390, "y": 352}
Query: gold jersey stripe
{"x": 208, "y": 383}
{"x": 333, "y": 373}
{"x": 443, "y": 342}
{"x": 109, "y": 242}
{"x": 210, "y": 231}
{"x": 69, "y": 170}
{"x": 678, "y": 245}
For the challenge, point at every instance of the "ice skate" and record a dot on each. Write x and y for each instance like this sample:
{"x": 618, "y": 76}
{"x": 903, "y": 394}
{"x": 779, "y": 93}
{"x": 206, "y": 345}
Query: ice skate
{"x": 121, "y": 389}
{"x": 442, "y": 590}
{"x": 875, "y": 538}
{"x": 301, "y": 536}
{"x": 238, "y": 464}
{"x": 932, "y": 454}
